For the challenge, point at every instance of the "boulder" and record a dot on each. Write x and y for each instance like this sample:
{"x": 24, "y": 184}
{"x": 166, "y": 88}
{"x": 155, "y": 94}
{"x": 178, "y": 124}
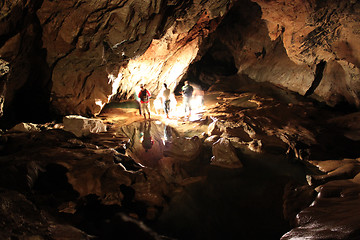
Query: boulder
{"x": 214, "y": 129}
{"x": 334, "y": 170}
{"x": 21, "y": 219}
{"x": 209, "y": 141}
{"x": 224, "y": 154}
{"x": 25, "y": 127}
{"x": 184, "y": 149}
{"x": 82, "y": 126}
{"x": 333, "y": 214}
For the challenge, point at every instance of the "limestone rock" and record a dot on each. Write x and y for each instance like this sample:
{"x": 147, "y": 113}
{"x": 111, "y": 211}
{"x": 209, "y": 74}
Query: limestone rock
{"x": 25, "y": 127}
{"x": 209, "y": 141}
{"x": 82, "y": 126}
{"x": 150, "y": 188}
{"x": 296, "y": 198}
{"x": 4, "y": 70}
{"x": 214, "y": 129}
{"x": 184, "y": 149}
{"x": 19, "y": 47}
{"x": 309, "y": 47}
{"x": 334, "y": 170}
{"x": 255, "y": 146}
{"x": 22, "y": 219}
{"x": 333, "y": 214}
{"x": 85, "y": 53}
{"x": 356, "y": 179}
{"x": 93, "y": 47}
{"x": 350, "y": 124}
{"x": 314, "y": 31}
{"x": 224, "y": 154}
{"x": 256, "y": 56}
{"x": 54, "y": 159}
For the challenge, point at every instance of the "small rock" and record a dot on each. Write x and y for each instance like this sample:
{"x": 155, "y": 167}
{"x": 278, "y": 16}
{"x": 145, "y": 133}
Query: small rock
{"x": 211, "y": 140}
{"x": 224, "y": 154}
{"x": 184, "y": 149}
{"x": 25, "y": 127}
{"x": 214, "y": 129}
{"x": 82, "y": 126}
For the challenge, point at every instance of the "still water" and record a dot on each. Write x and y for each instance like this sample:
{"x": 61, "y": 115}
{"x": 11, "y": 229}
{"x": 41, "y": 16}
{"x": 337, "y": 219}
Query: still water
{"x": 223, "y": 203}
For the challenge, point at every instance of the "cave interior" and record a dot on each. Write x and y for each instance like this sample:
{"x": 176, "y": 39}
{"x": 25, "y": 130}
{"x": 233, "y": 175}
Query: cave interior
{"x": 270, "y": 148}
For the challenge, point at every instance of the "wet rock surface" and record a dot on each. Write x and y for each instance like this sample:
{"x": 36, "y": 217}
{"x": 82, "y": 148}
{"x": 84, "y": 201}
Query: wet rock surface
{"x": 333, "y": 214}
{"x": 267, "y": 153}
{"x": 65, "y": 177}
{"x": 224, "y": 154}
{"x": 280, "y": 125}
{"x": 255, "y": 151}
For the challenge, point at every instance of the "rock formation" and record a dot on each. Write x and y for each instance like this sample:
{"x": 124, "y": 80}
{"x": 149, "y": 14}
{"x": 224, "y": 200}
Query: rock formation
{"x": 323, "y": 35}
{"x": 73, "y": 57}
{"x": 83, "y": 47}
{"x": 308, "y": 47}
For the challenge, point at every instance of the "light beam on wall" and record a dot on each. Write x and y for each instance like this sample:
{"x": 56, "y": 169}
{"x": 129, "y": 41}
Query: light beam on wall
{"x": 165, "y": 61}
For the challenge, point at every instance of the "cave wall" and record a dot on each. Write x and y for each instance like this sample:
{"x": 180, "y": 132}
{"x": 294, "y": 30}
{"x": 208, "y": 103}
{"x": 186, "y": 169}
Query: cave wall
{"x": 24, "y": 73}
{"x": 308, "y": 47}
{"x": 88, "y": 42}
{"x": 253, "y": 53}
{"x": 320, "y": 31}
{"x": 72, "y": 56}
{"x": 167, "y": 59}
{"x": 86, "y": 47}
{"x": 315, "y": 31}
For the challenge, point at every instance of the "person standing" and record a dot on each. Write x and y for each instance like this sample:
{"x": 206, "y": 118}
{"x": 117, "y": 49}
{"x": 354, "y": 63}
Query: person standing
{"x": 138, "y": 101}
{"x": 187, "y": 91}
{"x": 165, "y": 98}
{"x": 144, "y": 96}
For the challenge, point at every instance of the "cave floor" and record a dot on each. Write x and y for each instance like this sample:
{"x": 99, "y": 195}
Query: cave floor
{"x": 214, "y": 202}
{"x": 276, "y": 135}
{"x": 246, "y": 165}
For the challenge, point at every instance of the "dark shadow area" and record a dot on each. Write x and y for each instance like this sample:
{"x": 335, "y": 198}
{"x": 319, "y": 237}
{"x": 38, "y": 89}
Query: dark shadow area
{"x": 217, "y": 61}
{"x": 318, "y": 76}
{"x": 242, "y": 203}
{"x": 52, "y": 188}
{"x": 233, "y": 204}
{"x": 105, "y": 222}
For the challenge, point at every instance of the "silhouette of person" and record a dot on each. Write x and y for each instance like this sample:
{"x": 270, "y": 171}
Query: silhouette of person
{"x": 138, "y": 101}
{"x": 187, "y": 92}
{"x": 165, "y": 98}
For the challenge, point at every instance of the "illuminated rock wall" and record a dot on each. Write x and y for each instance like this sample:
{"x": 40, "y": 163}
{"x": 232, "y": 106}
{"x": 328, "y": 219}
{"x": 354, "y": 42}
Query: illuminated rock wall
{"x": 73, "y": 56}
{"x": 69, "y": 53}
{"x": 165, "y": 61}
{"x": 310, "y": 47}
{"x": 88, "y": 42}
{"x": 320, "y": 31}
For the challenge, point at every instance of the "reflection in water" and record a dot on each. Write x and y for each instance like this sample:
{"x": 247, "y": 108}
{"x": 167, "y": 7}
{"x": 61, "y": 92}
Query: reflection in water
{"x": 244, "y": 203}
{"x": 148, "y": 139}
{"x": 167, "y": 134}
{"x": 145, "y": 136}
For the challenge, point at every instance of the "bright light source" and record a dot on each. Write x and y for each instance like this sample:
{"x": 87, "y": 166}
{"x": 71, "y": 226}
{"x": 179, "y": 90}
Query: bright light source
{"x": 115, "y": 83}
{"x": 99, "y": 103}
{"x": 178, "y": 111}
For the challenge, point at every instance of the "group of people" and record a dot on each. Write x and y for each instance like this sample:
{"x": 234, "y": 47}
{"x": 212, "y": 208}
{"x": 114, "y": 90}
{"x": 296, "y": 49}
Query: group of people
{"x": 144, "y": 98}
